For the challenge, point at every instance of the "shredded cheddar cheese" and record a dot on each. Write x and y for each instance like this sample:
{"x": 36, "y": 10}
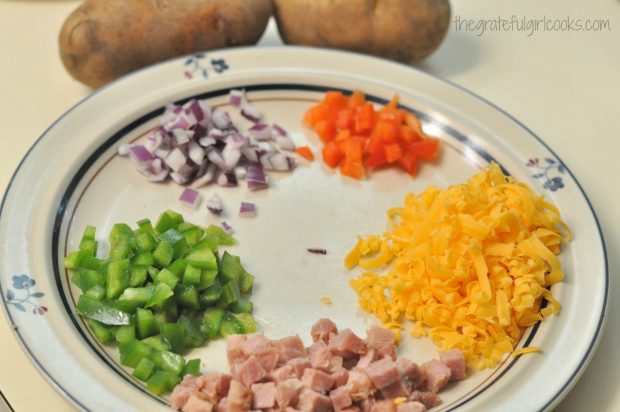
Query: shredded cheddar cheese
{"x": 326, "y": 300}
{"x": 523, "y": 351}
{"x": 470, "y": 265}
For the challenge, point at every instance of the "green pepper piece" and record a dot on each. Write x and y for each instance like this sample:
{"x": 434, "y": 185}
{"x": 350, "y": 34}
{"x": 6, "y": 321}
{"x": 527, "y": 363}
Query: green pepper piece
{"x": 145, "y": 242}
{"x": 146, "y": 325}
{"x": 134, "y": 298}
{"x": 117, "y": 278}
{"x": 89, "y": 247}
{"x": 121, "y": 249}
{"x": 120, "y": 231}
{"x": 91, "y": 262}
{"x": 169, "y": 362}
{"x": 207, "y": 278}
{"x": 192, "y": 275}
{"x": 161, "y": 293}
{"x": 89, "y": 233}
{"x": 144, "y": 369}
{"x": 230, "y": 294}
{"x": 193, "y": 335}
{"x": 87, "y": 278}
{"x": 102, "y": 332}
{"x": 157, "y": 342}
{"x": 193, "y": 235}
{"x": 175, "y": 335}
{"x": 246, "y": 282}
{"x": 222, "y": 238}
{"x": 96, "y": 292}
{"x": 230, "y": 268}
{"x": 192, "y": 367}
{"x": 168, "y": 220}
{"x": 161, "y": 382}
{"x": 125, "y": 334}
{"x": 138, "y": 276}
{"x": 146, "y": 226}
{"x": 167, "y": 277}
{"x": 211, "y": 295}
{"x": 202, "y": 258}
{"x": 133, "y": 352}
{"x": 102, "y": 311}
{"x": 247, "y": 322}
{"x": 177, "y": 240}
{"x": 74, "y": 259}
{"x": 185, "y": 226}
{"x": 163, "y": 253}
{"x": 206, "y": 243}
{"x": 211, "y": 322}
{"x": 152, "y": 271}
{"x": 143, "y": 259}
{"x": 177, "y": 267}
{"x": 230, "y": 325}
{"x": 241, "y": 305}
{"x": 187, "y": 296}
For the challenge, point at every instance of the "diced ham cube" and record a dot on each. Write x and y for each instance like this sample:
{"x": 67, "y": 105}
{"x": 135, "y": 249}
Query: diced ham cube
{"x": 263, "y": 395}
{"x": 340, "y": 398}
{"x": 310, "y": 400}
{"x": 411, "y": 371}
{"x": 233, "y": 348}
{"x": 395, "y": 390}
{"x": 183, "y": 391}
{"x": 359, "y": 385}
{"x": 289, "y": 348}
{"x": 413, "y": 406}
{"x": 320, "y": 355}
{"x": 322, "y": 330}
{"x": 366, "y": 359}
{"x": 238, "y": 399}
{"x": 222, "y": 406}
{"x": 249, "y": 371}
{"x": 268, "y": 358}
{"x": 341, "y": 377}
{"x": 317, "y": 380}
{"x": 299, "y": 366}
{"x": 383, "y": 406}
{"x": 197, "y": 403}
{"x": 383, "y": 372}
{"x": 351, "y": 409}
{"x": 347, "y": 344}
{"x": 282, "y": 373}
{"x": 254, "y": 344}
{"x": 287, "y": 392}
{"x": 455, "y": 360}
{"x": 214, "y": 386}
{"x": 382, "y": 340}
{"x": 429, "y": 399}
{"x": 367, "y": 404}
{"x": 437, "y": 374}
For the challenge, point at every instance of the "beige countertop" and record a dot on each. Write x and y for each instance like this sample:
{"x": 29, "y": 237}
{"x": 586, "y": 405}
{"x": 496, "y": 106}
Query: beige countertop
{"x": 563, "y": 85}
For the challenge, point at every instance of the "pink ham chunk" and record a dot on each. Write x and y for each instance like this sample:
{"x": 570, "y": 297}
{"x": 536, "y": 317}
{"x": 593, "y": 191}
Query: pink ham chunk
{"x": 383, "y": 406}
{"x": 289, "y": 348}
{"x": 310, "y": 400}
{"x": 397, "y": 389}
{"x": 437, "y": 374}
{"x": 238, "y": 397}
{"x": 197, "y": 403}
{"x": 455, "y": 360}
{"x": 341, "y": 377}
{"x": 321, "y": 357}
{"x": 282, "y": 373}
{"x": 411, "y": 372}
{"x": 359, "y": 385}
{"x": 215, "y": 386}
{"x": 383, "y": 372}
{"x": 254, "y": 344}
{"x": 287, "y": 392}
{"x": 429, "y": 399}
{"x": 347, "y": 344}
{"x": 184, "y": 390}
{"x": 317, "y": 380}
{"x": 323, "y": 330}
{"x": 411, "y": 407}
{"x": 263, "y": 395}
{"x": 340, "y": 398}
{"x": 366, "y": 359}
{"x": 382, "y": 340}
{"x": 299, "y": 365}
{"x": 233, "y": 348}
{"x": 249, "y": 371}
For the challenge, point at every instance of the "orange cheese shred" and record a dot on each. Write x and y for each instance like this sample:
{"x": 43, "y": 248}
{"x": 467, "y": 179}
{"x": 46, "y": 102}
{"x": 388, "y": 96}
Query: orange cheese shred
{"x": 470, "y": 265}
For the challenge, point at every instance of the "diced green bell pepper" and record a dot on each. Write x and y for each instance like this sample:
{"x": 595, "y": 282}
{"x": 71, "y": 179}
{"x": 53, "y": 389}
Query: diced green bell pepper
{"x": 241, "y": 305}
{"x": 177, "y": 240}
{"x": 211, "y": 322}
{"x": 230, "y": 294}
{"x": 167, "y": 277}
{"x": 133, "y": 352}
{"x": 193, "y": 235}
{"x": 177, "y": 267}
{"x": 222, "y": 238}
{"x": 137, "y": 276}
{"x": 163, "y": 253}
{"x": 146, "y": 226}
{"x": 74, "y": 259}
{"x": 207, "y": 278}
{"x": 87, "y": 278}
{"x": 246, "y": 282}
{"x": 169, "y": 361}
{"x": 192, "y": 275}
{"x": 174, "y": 333}
{"x": 161, "y": 382}
{"x": 145, "y": 242}
{"x": 144, "y": 369}
{"x": 211, "y": 295}
{"x": 192, "y": 367}
{"x": 145, "y": 323}
{"x": 168, "y": 220}
{"x": 125, "y": 334}
{"x": 96, "y": 292}
{"x": 186, "y": 296}
{"x": 157, "y": 342}
{"x": 103, "y": 333}
{"x": 117, "y": 278}
{"x": 202, "y": 258}
{"x": 193, "y": 335}
{"x": 102, "y": 311}
{"x": 91, "y": 262}
{"x": 230, "y": 325}
{"x": 230, "y": 268}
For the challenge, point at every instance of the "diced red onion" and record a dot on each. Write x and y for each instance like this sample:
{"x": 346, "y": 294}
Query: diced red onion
{"x": 260, "y": 131}
{"x": 158, "y": 176}
{"x": 162, "y": 153}
{"x": 190, "y": 197}
{"x": 227, "y": 228}
{"x": 215, "y": 205}
{"x": 256, "y": 177}
{"x": 279, "y": 161}
{"x": 247, "y": 209}
{"x": 182, "y": 136}
{"x": 221, "y": 119}
{"x": 157, "y": 165}
{"x": 250, "y": 112}
{"x": 141, "y": 157}
{"x": 216, "y": 158}
{"x": 194, "y": 107}
{"x": 154, "y": 141}
{"x": 226, "y": 180}
{"x": 285, "y": 143}
{"x": 231, "y": 156}
{"x": 176, "y": 159}
{"x": 180, "y": 122}
{"x": 249, "y": 153}
{"x": 196, "y": 153}
{"x": 123, "y": 150}
{"x": 236, "y": 140}
{"x": 235, "y": 97}
{"x": 240, "y": 172}
{"x": 206, "y": 178}
{"x": 278, "y": 131}
{"x": 207, "y": 141}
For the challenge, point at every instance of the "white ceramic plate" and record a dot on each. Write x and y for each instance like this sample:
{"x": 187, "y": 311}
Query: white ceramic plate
{"x": 72, "y": 177}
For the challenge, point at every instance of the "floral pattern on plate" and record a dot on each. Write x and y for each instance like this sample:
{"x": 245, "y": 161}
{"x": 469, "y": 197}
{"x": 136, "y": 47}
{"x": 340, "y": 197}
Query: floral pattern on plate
{"x": 23, "y": 285}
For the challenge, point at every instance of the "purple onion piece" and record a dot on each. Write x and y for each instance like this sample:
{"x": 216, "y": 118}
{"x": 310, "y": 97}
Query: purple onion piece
{"x": 227, "y": 228}
{"x": 179, "y": 178}
{"x": 240, "y": 172}
{"x": 162, "y": 153}
{"x": 260, "y": 131}
{"x": 159, "y": 176}
{"x": 190, "y": 197}
{"x": 182, "y": 136}
{"x": 279, "y": 162}
{"x": 231, "y": 156}
{"x": 236, "y": 96}
{"x": 236, "y": 140}
{"x": 176, "y": 159}
{"x": 278, "y": 131}
{"x": 196, "y": 153}
{"x": 285, "y": 143}
{"x": 250, "y": 154}
{"x": 141, "y": 157}
{"x": 215, "y": 205}
{"x": 221, "y": 119}
{"x": 216, "y": 158}
{"x": 247, "y": 209}
{"x": 123, "y": 150}
{"x": 226, "y": 180}
{"x": 206, "y": 178}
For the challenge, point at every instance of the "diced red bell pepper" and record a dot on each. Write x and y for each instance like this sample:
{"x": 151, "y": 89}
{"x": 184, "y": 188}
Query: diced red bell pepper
{"x": 332, "y": 155}
{"x": 426, "y": 149}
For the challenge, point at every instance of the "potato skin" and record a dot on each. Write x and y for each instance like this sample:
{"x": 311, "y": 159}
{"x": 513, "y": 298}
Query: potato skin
{"x": 403, "y": 30}
{"x": 105, "y": 39}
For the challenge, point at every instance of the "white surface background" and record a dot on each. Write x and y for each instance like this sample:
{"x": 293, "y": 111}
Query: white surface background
{"x": 565, "y": 86}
